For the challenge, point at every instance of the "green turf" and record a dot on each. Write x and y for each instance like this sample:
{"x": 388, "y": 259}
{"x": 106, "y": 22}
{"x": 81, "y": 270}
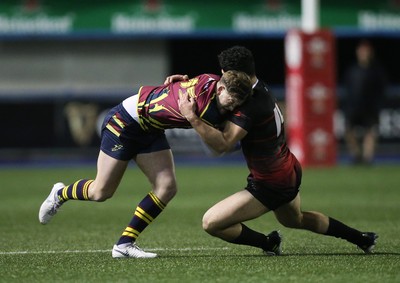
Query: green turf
{"x": 76, "y": 245}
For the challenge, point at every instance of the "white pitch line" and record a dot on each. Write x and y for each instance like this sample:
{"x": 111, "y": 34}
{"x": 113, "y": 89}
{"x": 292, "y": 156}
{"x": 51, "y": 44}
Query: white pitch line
{"x": 105, "y": 251}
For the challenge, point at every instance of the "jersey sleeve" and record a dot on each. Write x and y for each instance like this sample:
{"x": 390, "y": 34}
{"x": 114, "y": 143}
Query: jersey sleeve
{"x": 242, "y": 118}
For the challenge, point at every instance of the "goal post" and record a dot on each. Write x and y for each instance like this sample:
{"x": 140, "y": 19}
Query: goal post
{"x": 310, "y": 90}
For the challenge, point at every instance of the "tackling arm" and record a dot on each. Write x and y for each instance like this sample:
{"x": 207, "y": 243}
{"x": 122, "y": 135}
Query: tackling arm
{"x": 219, "y": 142}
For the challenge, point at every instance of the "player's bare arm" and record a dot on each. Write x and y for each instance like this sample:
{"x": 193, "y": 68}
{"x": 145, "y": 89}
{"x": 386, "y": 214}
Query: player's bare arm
{"x": 219, "y": 142}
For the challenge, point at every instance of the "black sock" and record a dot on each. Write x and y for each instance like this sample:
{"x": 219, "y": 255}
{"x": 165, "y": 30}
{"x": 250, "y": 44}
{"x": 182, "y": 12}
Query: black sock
{"x": 251, "y": 238}
{"x": 340, "y": 230}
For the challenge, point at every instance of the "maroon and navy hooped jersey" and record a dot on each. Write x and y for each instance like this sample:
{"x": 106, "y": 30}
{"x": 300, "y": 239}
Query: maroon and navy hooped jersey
{"x": 158, "y": 107}
{"x": 264, "y": 147}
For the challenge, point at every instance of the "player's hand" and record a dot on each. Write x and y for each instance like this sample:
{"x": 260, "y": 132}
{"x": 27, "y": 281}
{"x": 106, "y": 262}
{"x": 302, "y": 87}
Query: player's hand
{"x": 187, "y": 105}
{"x": 175, "y": 78}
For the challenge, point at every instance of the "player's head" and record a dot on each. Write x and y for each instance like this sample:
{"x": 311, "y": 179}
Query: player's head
{"x": 364, "y": 52}
{"x": 233, "y": 89}
{"x": 237, "y": 58}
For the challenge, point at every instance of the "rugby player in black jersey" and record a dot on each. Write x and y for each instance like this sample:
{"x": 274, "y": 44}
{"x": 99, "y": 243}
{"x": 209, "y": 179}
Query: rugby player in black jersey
{"x": 275, "y": 174}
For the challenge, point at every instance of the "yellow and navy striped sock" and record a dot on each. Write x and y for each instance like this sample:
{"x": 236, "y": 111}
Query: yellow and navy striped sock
{"x": 146, "y": 211}
{"x": 77, "y": 190}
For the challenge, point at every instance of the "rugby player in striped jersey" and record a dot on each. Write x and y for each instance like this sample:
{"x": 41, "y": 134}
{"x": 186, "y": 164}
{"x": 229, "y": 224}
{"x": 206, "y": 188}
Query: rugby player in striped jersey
{"x": 135, "y": 130}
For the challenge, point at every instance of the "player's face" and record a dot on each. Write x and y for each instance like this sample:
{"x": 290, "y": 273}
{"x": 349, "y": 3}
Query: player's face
{"x": 227, "y": 103}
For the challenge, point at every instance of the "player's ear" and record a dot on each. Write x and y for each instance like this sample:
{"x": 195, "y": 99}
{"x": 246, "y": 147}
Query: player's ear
{"x": 220, "y": 89}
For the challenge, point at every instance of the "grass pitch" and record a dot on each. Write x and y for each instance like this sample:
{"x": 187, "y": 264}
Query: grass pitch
{"x": 76, "y": 245}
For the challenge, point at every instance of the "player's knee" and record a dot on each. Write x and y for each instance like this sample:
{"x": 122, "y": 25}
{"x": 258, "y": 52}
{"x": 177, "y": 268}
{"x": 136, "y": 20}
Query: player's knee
{"x": 166, "y": 192}
{"x": 209, "y": 225}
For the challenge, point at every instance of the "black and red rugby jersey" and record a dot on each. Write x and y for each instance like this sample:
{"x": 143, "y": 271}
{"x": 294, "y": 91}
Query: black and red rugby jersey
{"x": 264, "y": 147}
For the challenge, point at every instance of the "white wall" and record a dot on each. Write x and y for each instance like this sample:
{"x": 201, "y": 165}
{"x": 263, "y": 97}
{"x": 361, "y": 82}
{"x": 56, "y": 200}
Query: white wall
{"x": 35, "y": 65}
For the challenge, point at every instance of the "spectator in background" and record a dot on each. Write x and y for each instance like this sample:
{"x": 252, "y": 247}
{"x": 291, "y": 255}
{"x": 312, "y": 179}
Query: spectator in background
{"x": 364, "y": 96}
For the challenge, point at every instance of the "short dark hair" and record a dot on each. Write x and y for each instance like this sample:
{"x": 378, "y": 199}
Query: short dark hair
{"x": 237, "y": 58}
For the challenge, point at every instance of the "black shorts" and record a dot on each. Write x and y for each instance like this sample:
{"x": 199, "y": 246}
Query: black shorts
{"x": 122, "y": 137}
{"x": 274, "y": 197}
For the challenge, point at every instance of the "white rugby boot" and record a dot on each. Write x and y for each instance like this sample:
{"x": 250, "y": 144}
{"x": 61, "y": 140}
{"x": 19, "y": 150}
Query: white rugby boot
{"x": 130, "y": 251}
{"x": 51, "y": 205}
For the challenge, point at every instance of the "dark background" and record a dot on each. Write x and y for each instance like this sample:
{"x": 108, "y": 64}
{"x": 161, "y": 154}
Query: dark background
{"x": 195, "y": 56}
{"x": 40, "y": 123}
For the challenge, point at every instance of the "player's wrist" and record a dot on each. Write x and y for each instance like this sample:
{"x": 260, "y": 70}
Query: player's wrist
{"x": 192, "y": 117}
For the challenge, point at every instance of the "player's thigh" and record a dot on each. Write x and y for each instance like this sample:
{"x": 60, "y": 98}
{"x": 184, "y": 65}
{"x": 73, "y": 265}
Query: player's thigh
{"x": 109, "y": 174}
{"x": 159, "y": 168}
{"x": 239, "y": 207}
{"x": 290, "y": 213}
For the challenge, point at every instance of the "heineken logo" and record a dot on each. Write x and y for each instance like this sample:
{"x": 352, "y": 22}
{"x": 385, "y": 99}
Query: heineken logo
{"x": 371, "y": 21}
{"x": 32, "y": 16}
{"x": 40, "y": 23}
{"x": 121, "y": 23}
{"x": 248, "y": 22}
{"x": 159, "y": 16}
